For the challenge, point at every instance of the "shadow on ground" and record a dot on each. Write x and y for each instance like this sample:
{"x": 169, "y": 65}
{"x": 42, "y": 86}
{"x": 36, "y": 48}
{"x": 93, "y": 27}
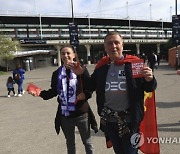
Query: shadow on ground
{"x": 170, "y": 127}
{"x": 167, "y": 104}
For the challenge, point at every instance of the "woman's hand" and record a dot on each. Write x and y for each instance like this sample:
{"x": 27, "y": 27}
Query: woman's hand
{"x": 34, "y": 93}
{"x": 33, "y": 89}
{"x": 81, "y": 96}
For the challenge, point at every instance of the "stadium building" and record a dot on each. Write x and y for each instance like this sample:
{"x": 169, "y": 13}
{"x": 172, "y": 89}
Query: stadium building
{"x": 42, "y": 37}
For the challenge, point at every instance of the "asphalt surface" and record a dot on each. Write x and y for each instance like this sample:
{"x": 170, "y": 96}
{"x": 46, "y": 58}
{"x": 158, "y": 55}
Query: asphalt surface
{"x": 27, "y": 122}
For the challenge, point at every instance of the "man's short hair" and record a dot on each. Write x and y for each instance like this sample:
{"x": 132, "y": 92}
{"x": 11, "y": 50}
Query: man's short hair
{"x": 112, "y": 33}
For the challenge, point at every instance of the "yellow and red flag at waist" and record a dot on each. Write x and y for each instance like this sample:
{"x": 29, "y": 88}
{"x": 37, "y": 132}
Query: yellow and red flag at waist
{"x": 148, "y": 126}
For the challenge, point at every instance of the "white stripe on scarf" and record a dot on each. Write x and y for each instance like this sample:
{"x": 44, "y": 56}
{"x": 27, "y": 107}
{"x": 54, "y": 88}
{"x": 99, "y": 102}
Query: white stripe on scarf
{"x": 63, "y": 95}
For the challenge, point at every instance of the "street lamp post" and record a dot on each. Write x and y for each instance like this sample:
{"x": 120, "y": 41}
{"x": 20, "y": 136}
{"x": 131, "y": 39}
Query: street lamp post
{"x": 176, "y": 6}
{"x": 177, "y": 54}
{"x": 162, "y": 25}
{"x": 89, "y": 24}
{"x": 40, "y": 19}
{"x": 127, "y": 9}
{"x": 129, "y": 24}
{"x": 129, "y": 27}
{"x": 40, "y": 24}
{"x": 170, "y": 13}
{"x": 73, "y": 31}
{"x": 72, "y": 11}
{"x": 150, "y": 11}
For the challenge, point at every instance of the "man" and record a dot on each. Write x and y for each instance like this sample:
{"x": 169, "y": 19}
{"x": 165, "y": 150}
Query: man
{"x": 119, "y": 95}
{"x": 158, "y": 59}
{"x": 152, "y": 59}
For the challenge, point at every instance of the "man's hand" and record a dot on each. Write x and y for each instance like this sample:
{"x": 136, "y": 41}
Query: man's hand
{"x": 147, "y": 73}
{"x": 76, "y": 68}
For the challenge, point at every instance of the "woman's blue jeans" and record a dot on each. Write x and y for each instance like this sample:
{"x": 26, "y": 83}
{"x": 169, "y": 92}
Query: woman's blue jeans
{"x": 20, "y": 84}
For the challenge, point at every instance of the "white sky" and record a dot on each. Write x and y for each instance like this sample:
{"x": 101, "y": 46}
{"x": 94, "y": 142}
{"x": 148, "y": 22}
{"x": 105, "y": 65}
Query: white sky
{"x": 135, "y": 9}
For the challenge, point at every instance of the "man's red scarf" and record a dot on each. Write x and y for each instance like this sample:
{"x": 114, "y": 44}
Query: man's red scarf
{"x": 106, "y": 60}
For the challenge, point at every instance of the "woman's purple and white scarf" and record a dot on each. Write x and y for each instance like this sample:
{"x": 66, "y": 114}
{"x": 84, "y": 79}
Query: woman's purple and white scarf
{"x": 67, "y": 102}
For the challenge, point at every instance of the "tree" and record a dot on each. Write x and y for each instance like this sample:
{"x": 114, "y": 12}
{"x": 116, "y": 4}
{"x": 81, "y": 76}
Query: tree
{"x": 7, "y": 49}
{"x": 166, "y": 48}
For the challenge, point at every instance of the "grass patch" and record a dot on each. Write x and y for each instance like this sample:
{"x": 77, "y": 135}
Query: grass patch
{"x": 1, "y": 72}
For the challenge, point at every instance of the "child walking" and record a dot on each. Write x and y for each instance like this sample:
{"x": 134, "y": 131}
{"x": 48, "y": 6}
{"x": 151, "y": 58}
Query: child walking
{"x": 10, "y": 86}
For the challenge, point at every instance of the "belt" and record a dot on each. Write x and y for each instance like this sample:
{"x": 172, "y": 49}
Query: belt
{"x": 110, "y": 112}
{"x": 122, "y": 124}
{"x": 124, "y": 112}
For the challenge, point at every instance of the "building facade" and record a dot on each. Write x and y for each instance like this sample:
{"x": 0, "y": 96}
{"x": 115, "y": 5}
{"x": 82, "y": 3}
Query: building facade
{"x": 42, "y": 37}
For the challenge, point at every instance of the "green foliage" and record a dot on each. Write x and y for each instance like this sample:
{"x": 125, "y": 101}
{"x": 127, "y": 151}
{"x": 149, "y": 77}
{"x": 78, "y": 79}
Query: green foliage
{"x": 166, "y": 47}
{"x": 169, "y": 44}
{"x": 1, "y": 72}
{"x": 7, "y": 48}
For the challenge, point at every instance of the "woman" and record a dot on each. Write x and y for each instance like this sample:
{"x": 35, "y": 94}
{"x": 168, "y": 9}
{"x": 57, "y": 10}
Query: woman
{"x": 73, "y": 108}
{"x": 18, "y": 77}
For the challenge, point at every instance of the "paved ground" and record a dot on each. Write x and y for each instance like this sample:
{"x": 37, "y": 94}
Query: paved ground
{"x": 27, "y": 122}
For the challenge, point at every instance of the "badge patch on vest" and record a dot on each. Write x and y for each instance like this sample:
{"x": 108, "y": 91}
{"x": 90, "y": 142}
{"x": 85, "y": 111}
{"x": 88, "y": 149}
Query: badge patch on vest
{"x": 121, "y": 74}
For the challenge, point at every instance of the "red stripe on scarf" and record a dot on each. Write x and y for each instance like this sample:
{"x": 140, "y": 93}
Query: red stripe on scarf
{"x": 106, "y": 60}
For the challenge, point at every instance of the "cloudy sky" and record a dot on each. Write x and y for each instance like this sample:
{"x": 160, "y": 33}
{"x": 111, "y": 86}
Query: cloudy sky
{"x": 135, "y": 9}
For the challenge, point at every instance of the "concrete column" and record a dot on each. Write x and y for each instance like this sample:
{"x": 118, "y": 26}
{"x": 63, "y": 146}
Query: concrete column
{"x": 58, "y": 55}
{"x": 88, "y": 46}
{"x": 138, "y": 48}
{"x": 158, "y": 48}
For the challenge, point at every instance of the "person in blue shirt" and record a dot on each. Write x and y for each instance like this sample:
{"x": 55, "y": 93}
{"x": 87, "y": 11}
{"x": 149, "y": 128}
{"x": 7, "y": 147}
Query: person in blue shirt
{"x": 18, "y": 77}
